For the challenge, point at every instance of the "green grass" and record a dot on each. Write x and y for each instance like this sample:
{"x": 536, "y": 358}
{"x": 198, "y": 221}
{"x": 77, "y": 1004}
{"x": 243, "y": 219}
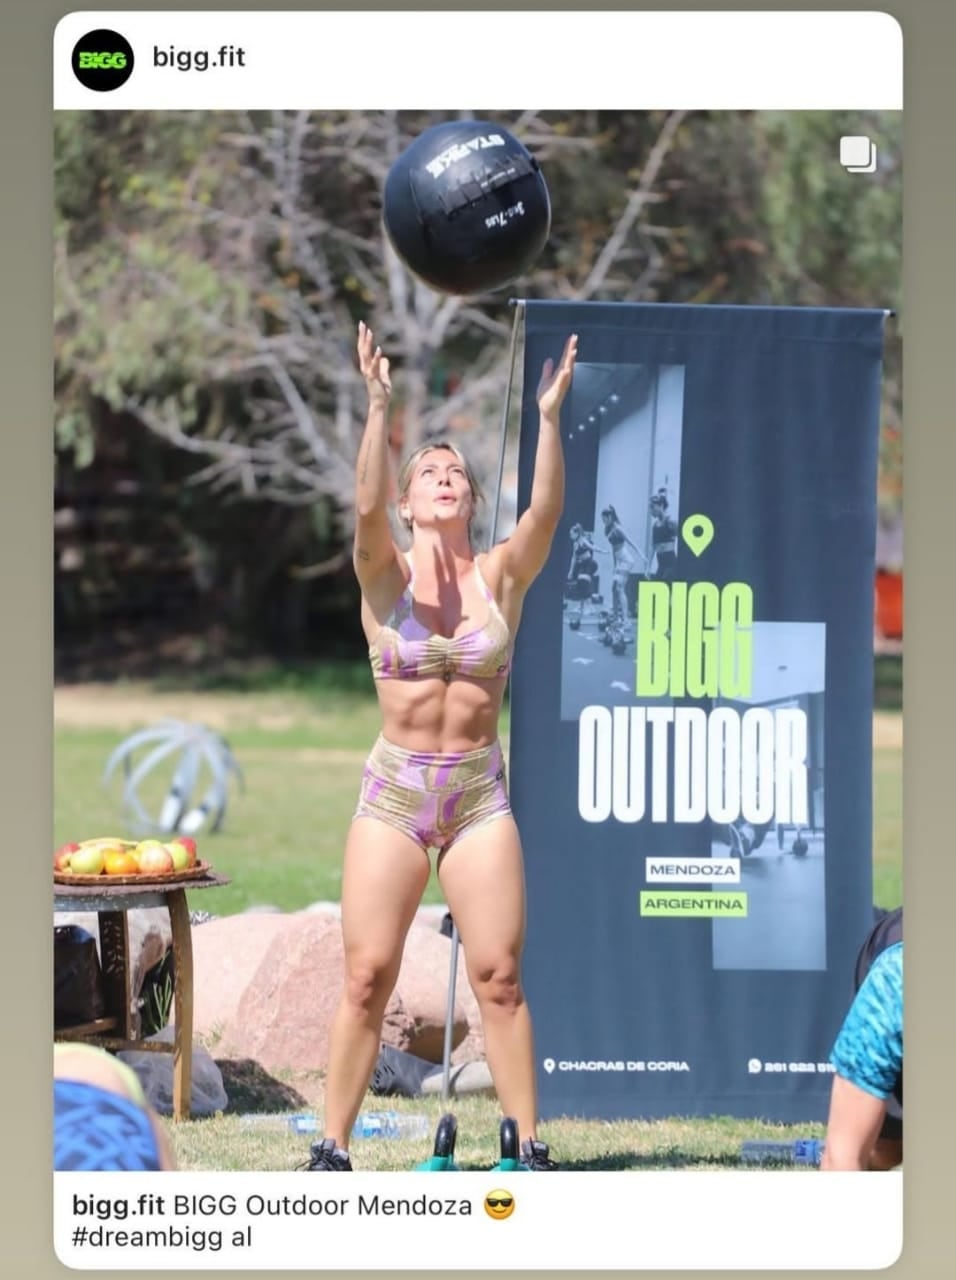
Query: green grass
{"x": 229, "y": 1142}
{"x": 301, "y": 749}
{"x": 888, "y": 826}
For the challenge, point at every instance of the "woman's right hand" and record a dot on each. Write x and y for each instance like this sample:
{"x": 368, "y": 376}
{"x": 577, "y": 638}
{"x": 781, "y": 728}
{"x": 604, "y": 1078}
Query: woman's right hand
{"x": 373, "y": 366}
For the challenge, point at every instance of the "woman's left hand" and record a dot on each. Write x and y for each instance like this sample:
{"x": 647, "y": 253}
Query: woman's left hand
{"x": 554, "y": 382}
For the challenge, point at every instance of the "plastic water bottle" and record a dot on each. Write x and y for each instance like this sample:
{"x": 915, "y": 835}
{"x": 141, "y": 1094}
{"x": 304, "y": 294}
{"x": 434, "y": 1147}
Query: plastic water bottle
{"x": 390, "y": 1124}
{"x": 303, "y": 1122}
{"x": 280, "y": 1121}
{"x": 798, "y": 1151}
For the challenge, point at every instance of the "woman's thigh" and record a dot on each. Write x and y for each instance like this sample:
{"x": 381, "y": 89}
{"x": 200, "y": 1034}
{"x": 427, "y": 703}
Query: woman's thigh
{"x": 384, "y": 875}
{"x": 482, "y": 876}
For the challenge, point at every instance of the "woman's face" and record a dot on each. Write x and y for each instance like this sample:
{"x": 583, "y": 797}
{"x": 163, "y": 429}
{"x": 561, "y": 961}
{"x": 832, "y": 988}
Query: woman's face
{"x": 439, "y": 492}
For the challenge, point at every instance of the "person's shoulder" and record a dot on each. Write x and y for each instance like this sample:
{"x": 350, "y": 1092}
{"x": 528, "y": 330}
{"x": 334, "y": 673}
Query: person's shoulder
{"x": 879, "y": 1001}
{"x": 884, "y": 982}
{"x": 890, "y": 959}
{"x": 886, "y": 932}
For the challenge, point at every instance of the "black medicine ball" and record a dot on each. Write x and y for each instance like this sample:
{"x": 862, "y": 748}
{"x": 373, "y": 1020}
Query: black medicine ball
{"x": 466, "y": 207}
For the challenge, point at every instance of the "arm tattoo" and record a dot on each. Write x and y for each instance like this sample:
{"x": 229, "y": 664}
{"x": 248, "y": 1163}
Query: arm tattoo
{"x": 362, "y": 554}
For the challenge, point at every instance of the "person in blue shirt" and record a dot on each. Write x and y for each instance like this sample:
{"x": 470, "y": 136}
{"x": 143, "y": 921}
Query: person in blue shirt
{"x": 868, "y": 1061}
{"x": 102, "y": 1119}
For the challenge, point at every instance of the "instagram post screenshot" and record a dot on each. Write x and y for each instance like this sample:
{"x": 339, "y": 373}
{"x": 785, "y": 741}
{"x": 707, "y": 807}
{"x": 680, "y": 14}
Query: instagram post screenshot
{"x": 478, "y": 640}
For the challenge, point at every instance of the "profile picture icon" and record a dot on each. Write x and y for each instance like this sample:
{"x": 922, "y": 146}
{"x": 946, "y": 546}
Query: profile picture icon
{"x": 102, "y": 60}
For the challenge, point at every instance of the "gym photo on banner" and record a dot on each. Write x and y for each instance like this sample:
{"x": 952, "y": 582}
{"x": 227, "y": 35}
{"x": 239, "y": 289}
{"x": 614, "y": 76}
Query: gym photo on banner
{"x": 623, "y": 439}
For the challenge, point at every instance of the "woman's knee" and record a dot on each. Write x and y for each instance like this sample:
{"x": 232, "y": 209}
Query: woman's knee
{"x": 369, "y": 981}
{"x": 497, "y": 984}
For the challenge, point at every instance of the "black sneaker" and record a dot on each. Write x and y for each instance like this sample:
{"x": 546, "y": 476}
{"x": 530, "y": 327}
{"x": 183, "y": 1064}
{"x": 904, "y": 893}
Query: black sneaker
{"x": 326, "y": 1156}
{"x": 534, "y": 1156}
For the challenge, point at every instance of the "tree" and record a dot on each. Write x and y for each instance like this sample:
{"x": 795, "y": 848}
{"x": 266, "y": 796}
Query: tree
{"x": 216, "y": 296}
{"x": 211, "y": 268}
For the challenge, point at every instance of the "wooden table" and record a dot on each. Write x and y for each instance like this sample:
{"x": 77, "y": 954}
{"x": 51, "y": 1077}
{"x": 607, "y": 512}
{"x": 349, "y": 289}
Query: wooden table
{"x": 114, "y": 1030}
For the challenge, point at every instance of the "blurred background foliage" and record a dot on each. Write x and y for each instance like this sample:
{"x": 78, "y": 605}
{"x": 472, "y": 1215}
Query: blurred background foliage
{"x": 210, "y": 268}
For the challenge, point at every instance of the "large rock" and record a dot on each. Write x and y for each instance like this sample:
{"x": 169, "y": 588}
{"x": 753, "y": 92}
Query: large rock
{"x": 423, "y": 986}
{"x": 283, "y": 1017}
{"x": 266, "y": 987}
{"x": 469, "y": 1077}
{"x": 227, "y": 952}
{"x": 155, "y": 1070}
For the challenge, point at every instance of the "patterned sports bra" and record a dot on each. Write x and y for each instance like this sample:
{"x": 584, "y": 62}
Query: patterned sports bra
{"x": 405, "y": 649}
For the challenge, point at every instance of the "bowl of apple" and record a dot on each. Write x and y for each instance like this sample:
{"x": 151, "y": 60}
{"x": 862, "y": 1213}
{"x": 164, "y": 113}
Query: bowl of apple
{"x": 111, "y": 860}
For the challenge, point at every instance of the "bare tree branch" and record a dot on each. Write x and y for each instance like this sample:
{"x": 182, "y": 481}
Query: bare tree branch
{"x": 324, "y": 567}
{"x": 640, "y": 196}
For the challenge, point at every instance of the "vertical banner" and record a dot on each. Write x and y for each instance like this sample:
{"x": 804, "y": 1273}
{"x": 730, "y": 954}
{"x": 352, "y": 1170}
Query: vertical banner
{"x": 691, "y": 706}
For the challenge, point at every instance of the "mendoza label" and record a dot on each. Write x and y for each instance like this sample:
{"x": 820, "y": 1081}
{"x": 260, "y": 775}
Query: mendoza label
{"x": 699, "y": 903}
{"x": 691, "y": 870}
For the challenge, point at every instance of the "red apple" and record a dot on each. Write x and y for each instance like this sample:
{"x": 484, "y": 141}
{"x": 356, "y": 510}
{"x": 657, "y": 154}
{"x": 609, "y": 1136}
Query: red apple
{"x": 61, "y": 859}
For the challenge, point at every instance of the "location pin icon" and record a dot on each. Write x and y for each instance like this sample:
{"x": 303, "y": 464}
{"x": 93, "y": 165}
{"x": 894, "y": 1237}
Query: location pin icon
{"x": 549, "y": 1065}
{"x": 698, "y": 532}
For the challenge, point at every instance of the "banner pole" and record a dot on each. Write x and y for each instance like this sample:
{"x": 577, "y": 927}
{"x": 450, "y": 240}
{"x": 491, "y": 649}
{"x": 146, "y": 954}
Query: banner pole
{"x": 518, "y": 304}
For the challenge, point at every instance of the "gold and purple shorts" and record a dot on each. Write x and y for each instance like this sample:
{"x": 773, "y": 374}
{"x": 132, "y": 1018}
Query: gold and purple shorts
{"x": 433, "y": 798}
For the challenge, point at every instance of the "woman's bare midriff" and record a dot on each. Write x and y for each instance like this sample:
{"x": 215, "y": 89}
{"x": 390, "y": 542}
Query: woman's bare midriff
{"x": 440, "y": 716}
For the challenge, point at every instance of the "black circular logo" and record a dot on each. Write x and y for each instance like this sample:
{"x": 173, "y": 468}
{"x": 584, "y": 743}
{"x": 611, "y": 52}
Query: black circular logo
{"x": 102, "y": 60}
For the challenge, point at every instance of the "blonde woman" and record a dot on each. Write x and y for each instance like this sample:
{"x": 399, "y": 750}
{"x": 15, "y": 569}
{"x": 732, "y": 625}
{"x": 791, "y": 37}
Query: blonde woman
{"x": 440, "y": 621}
